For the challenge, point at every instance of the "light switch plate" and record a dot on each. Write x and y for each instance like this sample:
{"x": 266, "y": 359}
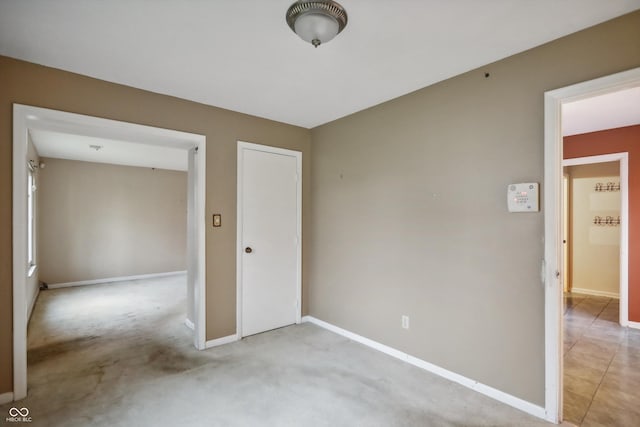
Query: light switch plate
{"x": 217, "y": 220}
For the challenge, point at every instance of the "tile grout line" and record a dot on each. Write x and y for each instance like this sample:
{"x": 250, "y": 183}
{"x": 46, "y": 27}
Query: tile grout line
{"x": 608, "y": 365}
{"x": 573, "y": 345}
{"x": 599, "y": 384}
{"x": 583, "y": 330}
{"x": 599, "y": 313}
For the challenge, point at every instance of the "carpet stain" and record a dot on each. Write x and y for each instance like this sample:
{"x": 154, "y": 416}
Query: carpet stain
{"x": 170, "y": 361}
{"x": 60, "y": 348}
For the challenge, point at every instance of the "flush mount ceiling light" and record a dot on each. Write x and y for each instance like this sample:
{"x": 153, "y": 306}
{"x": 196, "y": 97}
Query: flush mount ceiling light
{"x": 316, "y": 22}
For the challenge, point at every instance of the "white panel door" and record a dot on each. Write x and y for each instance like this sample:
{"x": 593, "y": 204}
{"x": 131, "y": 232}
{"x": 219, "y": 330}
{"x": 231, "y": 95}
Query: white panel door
{"x": 269, "y": 237}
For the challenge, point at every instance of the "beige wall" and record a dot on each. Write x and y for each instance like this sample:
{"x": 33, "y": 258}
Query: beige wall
{"x": 595, "y": 249}
{"x": 410, "y": 216}
{"x": 30, "y": 84}
{"x": 99, "y": 221}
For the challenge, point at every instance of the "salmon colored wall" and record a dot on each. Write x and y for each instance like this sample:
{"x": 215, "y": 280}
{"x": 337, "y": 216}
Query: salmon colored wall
{"x": 626, "y": 139}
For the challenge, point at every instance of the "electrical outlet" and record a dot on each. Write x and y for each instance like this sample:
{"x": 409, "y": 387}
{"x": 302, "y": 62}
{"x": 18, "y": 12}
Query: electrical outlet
{"x": 405, "y": 322}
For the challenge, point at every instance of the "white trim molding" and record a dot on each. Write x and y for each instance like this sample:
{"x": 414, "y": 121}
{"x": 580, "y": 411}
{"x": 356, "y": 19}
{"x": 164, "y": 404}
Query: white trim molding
{"x": 634, "y": 325}
{"x": 552, "y": 270}
{"x": 189, "y": 324}
{"x": 20, "y": 265}
{"x": 114, "y": 279}
{"x": 221, "y": 341}
{"x": 32, "y": 304}
{"x": 6, "y": 398}
{"x": 26, "y": 118}
{"x": 583, "y": 291}
{"x": 516, "y": 402}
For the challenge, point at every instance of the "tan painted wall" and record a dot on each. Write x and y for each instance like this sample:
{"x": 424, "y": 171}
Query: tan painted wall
{"x": 99, "y": 221}
{"x": 410, "y": 217}
{"x": 595, "y": 249}
{"x": 30, "y": 84}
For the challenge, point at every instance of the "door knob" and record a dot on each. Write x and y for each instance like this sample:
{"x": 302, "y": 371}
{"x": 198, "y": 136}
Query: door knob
{"x": 248, "y": 250}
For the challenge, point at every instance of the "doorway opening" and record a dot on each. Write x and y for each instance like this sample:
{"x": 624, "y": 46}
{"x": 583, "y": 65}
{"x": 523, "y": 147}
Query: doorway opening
{"x": 595, "y": 282}
{"x": 28, "y": 119}
{"x": 597, "y": 261}
{"x": 553, "y": 269}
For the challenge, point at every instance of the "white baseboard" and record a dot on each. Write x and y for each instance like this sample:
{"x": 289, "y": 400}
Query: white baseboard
{"x": 189, "y": 324}
{"x": 33, "y": 303}
{"x": 634, "y": 325}
{"x": 221, "y": 341}
{"x": 595, "y": 293}
{"x": 6, "y": 398}
{"x": 523, "y": 405}
{"x": 114, "y": 279}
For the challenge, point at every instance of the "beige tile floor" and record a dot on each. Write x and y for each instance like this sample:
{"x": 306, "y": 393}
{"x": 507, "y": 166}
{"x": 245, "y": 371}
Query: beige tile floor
{"x": 601, "y": 364}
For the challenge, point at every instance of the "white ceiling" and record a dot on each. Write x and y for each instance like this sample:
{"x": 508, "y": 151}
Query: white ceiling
{"x": 242, "y": 56}
{"x": 609, "y": 111}
{"x": 60, "y": 145}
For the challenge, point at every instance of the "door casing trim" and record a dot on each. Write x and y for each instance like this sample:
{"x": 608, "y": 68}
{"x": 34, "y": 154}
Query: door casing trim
{"x": 552, "y": 262}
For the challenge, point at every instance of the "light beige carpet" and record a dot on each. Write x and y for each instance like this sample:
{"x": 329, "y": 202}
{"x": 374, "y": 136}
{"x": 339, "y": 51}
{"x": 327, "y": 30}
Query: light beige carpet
{"x": 120, "y": 355}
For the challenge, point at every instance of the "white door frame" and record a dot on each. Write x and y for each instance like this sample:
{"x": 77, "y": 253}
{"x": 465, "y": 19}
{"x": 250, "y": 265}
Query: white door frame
{"x": 27, "y": 117}
{"x": 623, "y": 158}
{"x": 553, "y": 101}
{"x": 240, "y": 221}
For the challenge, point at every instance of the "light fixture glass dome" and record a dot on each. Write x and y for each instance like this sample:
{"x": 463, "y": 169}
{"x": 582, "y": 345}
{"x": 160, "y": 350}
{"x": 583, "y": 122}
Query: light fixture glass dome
{"x": 316, "y": 22}
{"x": 314, "y": 26}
